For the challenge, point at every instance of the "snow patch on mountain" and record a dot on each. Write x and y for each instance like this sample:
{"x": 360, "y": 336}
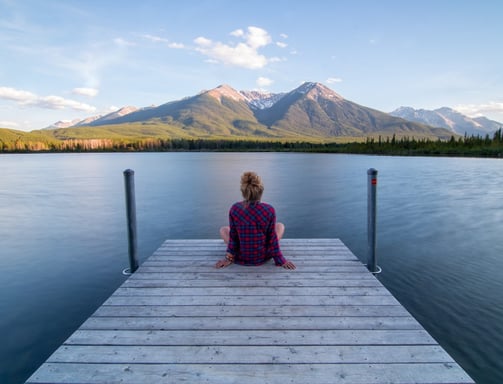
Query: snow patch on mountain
{"x": 305, "y": 88}
{"x": 261, "y": 100}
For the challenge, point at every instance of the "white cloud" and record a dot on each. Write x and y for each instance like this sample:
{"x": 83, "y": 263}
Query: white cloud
{"x": 203, "y": 42}
{"x": 57, "y": 102}
{"x": 155, "y": 39}
{"x": 281, "y": 44}
{"x": 264, "y": 82}
{"x": 123, "y": 43}
{"x": 244, "y": 54}
{"x": 9, "y": 124}
{"x": 476, "y": 110}
{"x": 25, "y": 98}
{"x": 257, "y": 37}
{"x": 284, "y": 36}
{"x": 158, "y": 39}
{"x": 237, "y": 33}
{"x": 90, "y": 92}
{"x": 176, "y": 45}
{"x": 16, "y": 95}
{"x": 333, "y": 80}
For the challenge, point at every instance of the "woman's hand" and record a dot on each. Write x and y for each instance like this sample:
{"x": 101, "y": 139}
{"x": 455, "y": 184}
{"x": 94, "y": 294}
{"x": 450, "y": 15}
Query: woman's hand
{"x": 289, "y": 265}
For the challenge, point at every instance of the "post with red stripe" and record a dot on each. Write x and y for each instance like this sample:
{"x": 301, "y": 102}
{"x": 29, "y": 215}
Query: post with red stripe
{"x": 371, "y": 220}
{"x": 131, "y": 221}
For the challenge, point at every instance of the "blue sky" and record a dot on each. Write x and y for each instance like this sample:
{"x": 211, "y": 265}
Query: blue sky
{"x": 64, "y": 59}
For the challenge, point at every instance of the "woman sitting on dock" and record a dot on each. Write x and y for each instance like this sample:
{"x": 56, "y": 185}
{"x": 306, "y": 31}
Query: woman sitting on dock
{"x": 253, "y": 235}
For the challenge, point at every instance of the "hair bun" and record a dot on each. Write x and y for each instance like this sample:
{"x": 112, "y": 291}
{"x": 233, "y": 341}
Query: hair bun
{"x": 251, "y": 178}
{"x": 251, "y": 186}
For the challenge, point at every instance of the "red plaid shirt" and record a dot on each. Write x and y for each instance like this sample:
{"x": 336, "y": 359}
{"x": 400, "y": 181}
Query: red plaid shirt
{"x": 253, "y": 239}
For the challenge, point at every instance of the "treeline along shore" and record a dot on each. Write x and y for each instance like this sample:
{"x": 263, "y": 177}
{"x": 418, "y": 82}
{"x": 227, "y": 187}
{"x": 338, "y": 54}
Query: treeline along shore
{"x": 473, "y": 146}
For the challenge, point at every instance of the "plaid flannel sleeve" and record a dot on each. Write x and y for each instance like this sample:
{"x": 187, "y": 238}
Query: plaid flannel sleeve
{"x": 233, "y": 245}
{"x": 272, "y": 242}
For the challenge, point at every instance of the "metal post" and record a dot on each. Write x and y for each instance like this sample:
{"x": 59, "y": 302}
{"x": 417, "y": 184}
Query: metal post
{"x": 131, "y": 221}
{"x": 371, "y": 221}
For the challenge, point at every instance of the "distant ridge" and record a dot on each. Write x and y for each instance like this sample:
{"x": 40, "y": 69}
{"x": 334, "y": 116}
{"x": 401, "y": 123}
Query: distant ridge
{"x": 311, "y": 110}
{"x": 449, "y": 119}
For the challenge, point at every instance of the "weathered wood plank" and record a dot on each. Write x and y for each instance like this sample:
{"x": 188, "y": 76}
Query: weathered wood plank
{"x": 284, "y": 242}
{"x": 256, "y": 275}
{"x": 257, "y": 310}
{"x": 355, "y": 268}
{"x": 311, "y": 354}
{"x": 251, "y": 337}
{"x": 189, "y": 261}
{"x": 168, "y": 282}
{"x": 252, "y": 291}
{"x": 247, "y": 323}
{"x": 251, "y": 373}
{"x": 318, "y": 252}
{"x": 271, "y": 300}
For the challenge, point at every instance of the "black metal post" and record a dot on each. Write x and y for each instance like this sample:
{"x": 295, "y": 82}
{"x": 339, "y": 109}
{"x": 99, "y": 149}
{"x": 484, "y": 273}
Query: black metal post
{"x": 131, "y": 220}
{"x": 371, "y": 220}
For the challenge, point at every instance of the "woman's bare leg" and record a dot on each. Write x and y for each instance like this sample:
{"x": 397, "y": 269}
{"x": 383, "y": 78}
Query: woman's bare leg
{"x": 280, "y": 230}
{"x": 224, "y": 234}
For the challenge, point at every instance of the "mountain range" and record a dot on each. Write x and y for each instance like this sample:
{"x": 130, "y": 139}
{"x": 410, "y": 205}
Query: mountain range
{"x": 310, "y": 111}
{"x": 450, "y": 119}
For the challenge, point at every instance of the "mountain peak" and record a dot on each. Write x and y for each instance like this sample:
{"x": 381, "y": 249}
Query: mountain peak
{"x": 305, "y": 87}
{"x": 225, "y": 90}
{"x": 317, "y": 90}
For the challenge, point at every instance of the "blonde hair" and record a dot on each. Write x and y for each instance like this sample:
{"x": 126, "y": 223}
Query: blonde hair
{"x": 251, "y": 187}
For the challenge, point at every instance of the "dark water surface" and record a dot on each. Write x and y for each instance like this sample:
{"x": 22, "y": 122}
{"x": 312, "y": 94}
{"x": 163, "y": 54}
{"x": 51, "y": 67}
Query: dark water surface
{"x": 63, "y": 235}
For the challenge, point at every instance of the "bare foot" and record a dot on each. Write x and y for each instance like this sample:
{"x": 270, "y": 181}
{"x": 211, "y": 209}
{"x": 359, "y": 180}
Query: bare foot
{"x": 223, "y": 263}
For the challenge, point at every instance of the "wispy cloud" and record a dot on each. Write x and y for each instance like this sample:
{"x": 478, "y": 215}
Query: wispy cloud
{"x": 16, "y": 95}
{"x": 333, "y": 80}
{"x": 90, "y": 92}
{"x": 244, "y": 54}
{"x": 163, "y": 40}
{"x": 29, "y": 99}
{"x": 475, "y": 110}
{"x": 93, "y": 60}
{"x": 121, "y": 42}
{"x": 9, "y": 124}
{"x": 264, "y": 82}
{"x": 155, "y": 39}
{"x": 176, "y": 45}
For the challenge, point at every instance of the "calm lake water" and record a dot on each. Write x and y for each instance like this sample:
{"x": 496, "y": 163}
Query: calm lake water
{"x": 63, "y": 242}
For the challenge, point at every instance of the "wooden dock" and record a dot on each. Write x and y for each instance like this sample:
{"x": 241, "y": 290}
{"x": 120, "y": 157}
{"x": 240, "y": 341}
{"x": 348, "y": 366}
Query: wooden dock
{"x": 178, "y": 319}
